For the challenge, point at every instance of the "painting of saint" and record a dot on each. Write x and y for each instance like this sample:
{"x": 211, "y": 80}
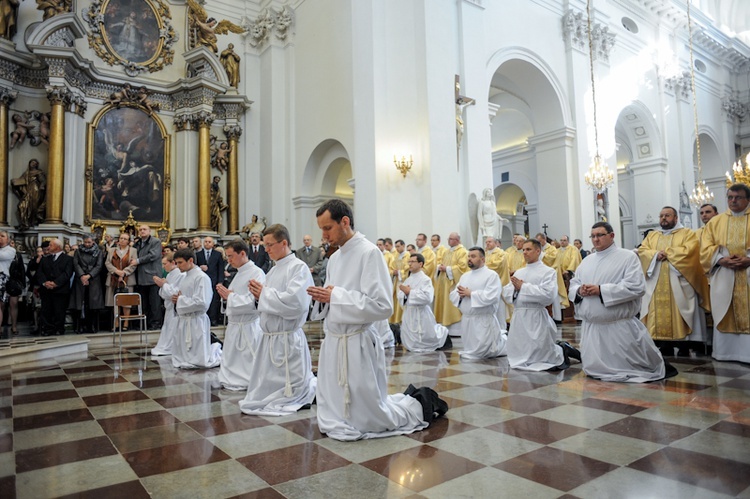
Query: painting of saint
{"x": 132, "y": 29}
{"x": 128, "y": 166}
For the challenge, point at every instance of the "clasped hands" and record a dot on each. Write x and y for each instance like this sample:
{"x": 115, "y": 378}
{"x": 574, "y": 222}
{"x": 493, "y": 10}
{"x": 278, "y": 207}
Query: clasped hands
{"x": 463, "y": 292}
{"x": 735, "y": 262}
{"x": 320, "y": 294}
{"x": 517, "y": 283}
{"x": 589, "y": 290}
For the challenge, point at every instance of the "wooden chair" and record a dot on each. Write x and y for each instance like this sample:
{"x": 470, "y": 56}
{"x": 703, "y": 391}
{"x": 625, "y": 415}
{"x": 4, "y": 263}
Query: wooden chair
{"x": 129, "y": 301}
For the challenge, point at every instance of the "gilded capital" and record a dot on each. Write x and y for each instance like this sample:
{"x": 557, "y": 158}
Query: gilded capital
{"x": 203, "y": 119}
{"x": 57, "y": 95}
{"x": 233, "y": 132}
{"x": 7, "y": 96}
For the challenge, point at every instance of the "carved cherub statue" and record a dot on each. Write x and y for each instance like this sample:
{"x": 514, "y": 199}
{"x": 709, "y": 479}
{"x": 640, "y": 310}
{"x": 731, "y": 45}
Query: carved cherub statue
{"x": 203, "y": 29}
{"x": 221, "y": 159}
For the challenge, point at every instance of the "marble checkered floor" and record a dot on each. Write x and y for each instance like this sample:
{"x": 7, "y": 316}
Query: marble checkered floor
{"x": 122, "y": 424}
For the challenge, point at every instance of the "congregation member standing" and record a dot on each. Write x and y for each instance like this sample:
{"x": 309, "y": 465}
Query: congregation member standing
{"x": 676, "y": 287}
{"x": 87, "y": 298}
{"x": 192, "y": 348}
{"x": 168, "y": 286}
{"x": 726, "y": 260}
{"x": 477, "y": 295}
{"x": 53, "y": 276}
{"x": 450, "y": 270}
{"x": 7, "y": 255}
{"x": 607, "y": 291}
{"x": 149, "y": 265}
{"x": 531, "y": 345}
{"x": 243, "y": 334}
{"x": 312, "y": 257}
{"x": 419, "y": 330}
{"x": 281, "y": 378}
{"x": 352, "y": 395}
{"x": 121, "y": 262}
{"x": 258, "y": 253}
{"x": 210, "y": 261}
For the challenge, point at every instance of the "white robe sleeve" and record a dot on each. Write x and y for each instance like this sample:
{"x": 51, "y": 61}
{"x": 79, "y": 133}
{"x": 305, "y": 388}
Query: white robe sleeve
{"x": 488, "y": 296}
{"x": 421, "y": 293}
{"x": 196, "y": 296}
{"x": 454, "y": 296}
{"x": 543, "y": 293}
{"x": 288, "y": 302}
{"x": 508, "y": 291}
{"x": 631, "y": 287}
{"x": 373, "y": 303}
{"x": 244, "y": 303}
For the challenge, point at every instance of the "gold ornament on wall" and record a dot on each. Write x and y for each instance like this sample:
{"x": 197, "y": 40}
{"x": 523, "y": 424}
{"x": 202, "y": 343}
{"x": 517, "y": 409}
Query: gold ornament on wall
{"x": 203, "y": 29}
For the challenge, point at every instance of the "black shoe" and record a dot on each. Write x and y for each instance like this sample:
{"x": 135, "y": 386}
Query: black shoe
{"x": 683, "y": 352}
{"x": 215, "y": 339}
{"x": 666, "y": 351}
{"x": 669, "y": 370}
{"x": 447, "y": 345}
{"x": 569, "y": 350}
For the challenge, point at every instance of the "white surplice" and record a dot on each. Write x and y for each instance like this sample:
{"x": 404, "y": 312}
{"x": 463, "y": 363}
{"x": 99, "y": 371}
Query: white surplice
{"x": 481, "y": 332}
{"x": 280, "y": 378}
{"x": 353, "y": 400}
{"x": 168, "y": 327}
{"x": 386, "y": 334}
{"x": 192, "y": 347}
{"x": 243, "y": 330}
{"x": 531, "y": 344}
{"x": 615, "y": 345}
{"x": 419, "y": 330}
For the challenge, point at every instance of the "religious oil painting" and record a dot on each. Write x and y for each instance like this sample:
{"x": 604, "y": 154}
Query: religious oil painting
{"x": 131, "y": 29}
{"x": 127, "y": 167}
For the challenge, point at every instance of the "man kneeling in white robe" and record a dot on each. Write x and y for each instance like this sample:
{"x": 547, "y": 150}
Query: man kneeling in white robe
{"x": 419, "y": 330}
{"x": 477, "y": 295}
{"x": 607, "y": 290}
{"x": 353, "y": 400}
{"x": 167, "y": 287}
{"x": 192, "y": 347}
{"x": 243, "y": 332}
{"x": 531, "y": 345}
{"x": 281, "y": 378}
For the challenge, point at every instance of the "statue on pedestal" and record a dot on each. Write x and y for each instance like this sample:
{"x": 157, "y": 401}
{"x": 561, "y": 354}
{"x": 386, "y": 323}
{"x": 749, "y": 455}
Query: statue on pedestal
{"x": 30, "y": 189}
{"x": 217, "y": 205}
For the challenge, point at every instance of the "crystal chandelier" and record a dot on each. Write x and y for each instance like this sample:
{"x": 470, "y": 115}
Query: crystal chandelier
{"x": 740, "y": 173}
{"x": 701, "y": 193}
{"x": 598, "y": 177}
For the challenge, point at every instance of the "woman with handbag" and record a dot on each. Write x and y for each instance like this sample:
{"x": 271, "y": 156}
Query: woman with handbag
{"x": 121, "y": 263}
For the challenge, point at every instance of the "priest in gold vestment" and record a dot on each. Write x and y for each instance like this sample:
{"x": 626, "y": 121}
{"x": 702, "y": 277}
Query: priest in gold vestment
{"x": 515, "y": 254}
{"x": 399, "y": 270}
{"x": 430, "y": 264}
{"x": 548, "y": 258}
{"x": 453, "y": 266}
{"x": 676, "y": 287}
{"x": 726, "y": 259}
{"x": 497, "y": 260}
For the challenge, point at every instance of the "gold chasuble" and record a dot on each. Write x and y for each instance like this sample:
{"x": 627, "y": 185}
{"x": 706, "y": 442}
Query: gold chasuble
{"x": 664, "y": 320}
{"x": 515, "y": 260}
{"x": 430, "y": 264}
{"x": 728, "y": 235}
{"x": 549, "y": 258}
{"x": 497, "y": 260}
{"x": 457, "y": 259}
{"x": 568, "y": 259}
{"x": 400, "y": 263}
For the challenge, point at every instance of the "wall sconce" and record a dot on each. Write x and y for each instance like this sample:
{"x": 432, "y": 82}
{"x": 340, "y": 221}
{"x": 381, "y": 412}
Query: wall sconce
{"x": 403, "y": 165}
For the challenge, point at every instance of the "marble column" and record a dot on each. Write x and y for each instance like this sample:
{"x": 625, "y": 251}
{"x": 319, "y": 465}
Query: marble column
{"x": 233, "y": 133}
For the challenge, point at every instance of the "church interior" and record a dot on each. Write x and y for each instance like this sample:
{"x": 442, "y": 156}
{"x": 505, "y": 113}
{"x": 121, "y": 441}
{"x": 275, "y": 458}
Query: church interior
{"x": 215, "y": 117}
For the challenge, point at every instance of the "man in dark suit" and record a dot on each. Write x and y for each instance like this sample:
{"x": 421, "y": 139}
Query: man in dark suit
{"x": 312, "y": 257}
{"x": 258, "y": 253}
{"x": 54, "y": 276}
{"x": 210, "y": 261}
{"x": 149, "y": 265}
{"x": 579, "y": 244}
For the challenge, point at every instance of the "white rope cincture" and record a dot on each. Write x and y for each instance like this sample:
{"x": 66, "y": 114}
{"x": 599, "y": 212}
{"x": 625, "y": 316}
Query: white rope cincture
{"x": 242, "y": 342}
{"x": 285, "y": 362}
{"x": 343, "y": 375}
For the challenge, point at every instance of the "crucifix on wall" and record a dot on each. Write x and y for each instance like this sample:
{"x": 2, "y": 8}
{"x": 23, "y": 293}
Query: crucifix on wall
{"x": 461, "y": 102}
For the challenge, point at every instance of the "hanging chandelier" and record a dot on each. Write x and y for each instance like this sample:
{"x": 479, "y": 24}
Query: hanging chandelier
{"x": 740, "y": 172}
{"x": 598, "y": 177}
{"x": 701, "y": 193}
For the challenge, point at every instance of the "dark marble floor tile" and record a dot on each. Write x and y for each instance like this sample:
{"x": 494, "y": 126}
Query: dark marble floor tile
{"x": 220, "y": 425}
{"x": 6, "y": 442}
{"x": 646, "y": 429}
{"x": 268, "y": 493}
{"x": 556, "y": 468}
{"x": 187, "y": 399}
{"x": 157, "y": 460}
{"x": 671, "y": 385}
{"x": 8, "y": 486}
{"x": 454, "y": 403}
{"x": 607, "y": 405}
{"x": 539, "y": 430}
{"x": 443, "y": 386}
{"x": 31, "y": 398}
{"x": 740, "y": 384}
{"x": 290, "y": 463}
{"x": 307, "y": 428}
{"x": 512, "y": 385}
{"x": 136, "y": 421}
{"x": 51, "y": 419}
{"x": 153, "y": 383}
{"x": 154, "y": 436}
{"x": 96, "y": 381}
{"x": 441, "y": 428}
{"x": 738, "y": 429}
{"x": 691, "y": 361}
{"x": 86, "y": 369}
{"x": 523, "y": 404}
{"x": 127, "y": 490}
{"x": 67, "y": 452}
{"x": 709, "y": 472}
{"x": 6, "y": 412}
{"x": 41, "y": 379}
{"x": 422, "y": 467}
{"x": 727, "y": 372}
{"x": 115, "y": 398}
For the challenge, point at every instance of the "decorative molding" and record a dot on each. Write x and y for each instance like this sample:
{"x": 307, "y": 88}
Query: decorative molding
{"x": 193, "y": 121}
{"x": 734, "y": 108}
{"x": 575, "y": 33}
{"x": 269, "y": 20}
{"x": 233, "y": 132}
{"x": 63, "y": 37}
{"x": 679, "y": 85}
{"x": 7, "y": 96}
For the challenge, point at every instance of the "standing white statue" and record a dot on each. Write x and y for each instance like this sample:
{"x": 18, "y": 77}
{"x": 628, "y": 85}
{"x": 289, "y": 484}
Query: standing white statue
{"x": 490, "y": 223}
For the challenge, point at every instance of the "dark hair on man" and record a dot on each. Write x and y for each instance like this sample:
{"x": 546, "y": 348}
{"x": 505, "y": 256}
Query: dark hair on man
{"x": 168, "y": 257}
{"x": 740, "y": 187}
{"x": 606, "y": 226}
{"x": 279, "y": 233}
{"x": 422, "y": 234}
{"x": 185, "y": 240}
{"x": 419, "y": 257}
{"x": 534, "y": 243}
{"x": 380, "y": 240}
{"x": 436, "y": 235}
{"x": 338, "y": 210}
{"x": 238, "y": 245}
{"x": 387, "y": 240}
{"x": 410, "y": 247}
{"x": 477, "y": 248}
{"x": 45, "y": 244}
{"x": 670, "y": 208}
{"x": 577, "y": 241}
{"x": 185, "y": 253}
{"x": 713, "y": 206}
{"x": 399, "y": 241}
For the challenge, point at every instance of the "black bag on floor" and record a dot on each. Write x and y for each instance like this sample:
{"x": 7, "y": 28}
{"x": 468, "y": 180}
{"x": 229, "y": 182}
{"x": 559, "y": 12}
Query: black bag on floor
{"x": 432, "y": 405}
{"x": 396, "y": 330}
